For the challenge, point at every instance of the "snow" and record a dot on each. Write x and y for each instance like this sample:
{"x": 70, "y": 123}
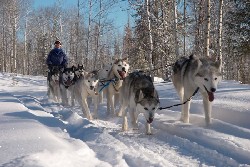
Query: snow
{"x": 36, "y": 132}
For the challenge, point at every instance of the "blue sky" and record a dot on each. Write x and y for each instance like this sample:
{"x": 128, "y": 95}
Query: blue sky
{"x": 119, "y": 13}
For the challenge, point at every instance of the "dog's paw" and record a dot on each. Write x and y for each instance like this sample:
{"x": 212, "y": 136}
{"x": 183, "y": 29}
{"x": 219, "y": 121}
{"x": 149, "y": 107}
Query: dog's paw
{"x": 184, "y": 120}
{"x": 94, "y": 117}
{"x": 119, "y": 114}
{"x": 90, "y": 117}
{"x": 125, "y": 127}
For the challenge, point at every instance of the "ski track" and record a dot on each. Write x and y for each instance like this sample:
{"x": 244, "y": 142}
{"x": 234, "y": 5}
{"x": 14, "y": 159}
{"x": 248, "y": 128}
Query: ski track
{"x": 175, "y": 143}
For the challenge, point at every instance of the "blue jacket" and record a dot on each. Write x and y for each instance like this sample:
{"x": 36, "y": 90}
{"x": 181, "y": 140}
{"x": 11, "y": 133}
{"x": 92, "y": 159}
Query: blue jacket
{"x": 57, "y": 57}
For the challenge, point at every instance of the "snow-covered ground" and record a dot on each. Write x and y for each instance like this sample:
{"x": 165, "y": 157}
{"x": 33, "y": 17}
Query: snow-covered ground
{"x": 35, "y": 132}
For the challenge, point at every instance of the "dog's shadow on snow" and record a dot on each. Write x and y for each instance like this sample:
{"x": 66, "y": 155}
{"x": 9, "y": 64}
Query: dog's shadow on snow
{"x": 48, "y": 121}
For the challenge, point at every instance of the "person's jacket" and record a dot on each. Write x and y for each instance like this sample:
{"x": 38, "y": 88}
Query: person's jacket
{"x": 57, "y": 57}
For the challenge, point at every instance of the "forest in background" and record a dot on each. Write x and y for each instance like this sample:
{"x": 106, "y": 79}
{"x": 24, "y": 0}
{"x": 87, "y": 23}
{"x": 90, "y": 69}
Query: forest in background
{"x": 163, "y": 31}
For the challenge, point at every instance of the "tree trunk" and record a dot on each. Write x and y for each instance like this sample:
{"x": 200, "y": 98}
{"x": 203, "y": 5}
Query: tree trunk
{"x": 184, "y": 28}
{"x": 220, "y": 31}
{"x": 88, "y": 34}
{"x": 98, "y": 36}
{"x": 14, "y": 46}
{"x": 175, "y": 30}
{"x": 207, "y": 29}
{"x": 25, "y": 48}
{"x": 150, "y": 39}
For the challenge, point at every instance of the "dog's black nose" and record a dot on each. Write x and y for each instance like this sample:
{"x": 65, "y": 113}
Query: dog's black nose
{"x": 91, "y": 87}
{"x": 123, "y": 68}
{"x": 150, "y": 120}
{"x": 213, "y": 89}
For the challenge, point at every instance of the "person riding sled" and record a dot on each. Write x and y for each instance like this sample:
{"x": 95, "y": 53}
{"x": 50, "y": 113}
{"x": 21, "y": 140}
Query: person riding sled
{"x": 56, "y": 58}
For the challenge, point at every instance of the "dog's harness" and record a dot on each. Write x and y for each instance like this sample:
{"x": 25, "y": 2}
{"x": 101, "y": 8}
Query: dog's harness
{"x": 196, "y": 90}
{"x": 105, "y": 83}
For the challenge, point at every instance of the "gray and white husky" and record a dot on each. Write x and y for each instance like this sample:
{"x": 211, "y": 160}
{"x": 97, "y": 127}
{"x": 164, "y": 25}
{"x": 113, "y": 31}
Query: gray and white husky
{"x": 139, "y": 94}
{"x": 84, "y": 87}
{"x": 191, "y": 74}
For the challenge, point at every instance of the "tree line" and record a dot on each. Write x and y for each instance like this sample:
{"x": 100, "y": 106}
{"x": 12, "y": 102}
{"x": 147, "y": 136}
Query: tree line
{"x": 156, "y": 34}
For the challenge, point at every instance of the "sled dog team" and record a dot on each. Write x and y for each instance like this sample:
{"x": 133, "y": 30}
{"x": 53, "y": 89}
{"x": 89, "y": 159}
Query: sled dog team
{"x": 135, "y": 90}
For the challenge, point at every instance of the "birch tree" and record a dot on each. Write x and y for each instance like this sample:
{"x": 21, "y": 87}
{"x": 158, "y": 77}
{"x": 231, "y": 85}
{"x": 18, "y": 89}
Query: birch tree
{"x": 219, "y": 44}
{"x": 175, "y": 28}
{"x": 151, "y": 47}
{"x": 207, "y": 29}
{"x": 184, "y": 27}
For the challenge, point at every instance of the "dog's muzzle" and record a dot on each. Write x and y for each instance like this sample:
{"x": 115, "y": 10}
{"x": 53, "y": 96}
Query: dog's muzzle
{"x": 56, "y": 81}
{"x": 68, "y": 82}
{"x": 150, "y": 120}
{"x": 210, "y": 93}
{"x": 122, "y": 73}
{"x": 94, "y": 89}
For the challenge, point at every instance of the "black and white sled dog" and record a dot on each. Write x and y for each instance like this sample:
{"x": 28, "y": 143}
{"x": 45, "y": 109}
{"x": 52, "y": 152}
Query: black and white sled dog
{"x": 79, "y": 73}
{"x": 66, "y": 83}
{"x": 86, "y": 86}
{"x": 191, "y": 74}
{"x": 53, "y": 84}
{"x": 116, "y": 75}
{"x": 140, "y": 96}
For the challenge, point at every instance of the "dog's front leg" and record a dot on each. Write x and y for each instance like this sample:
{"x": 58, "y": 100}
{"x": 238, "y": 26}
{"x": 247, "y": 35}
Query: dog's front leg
{"x": 112, "y": 105}
{"x": 86, "y": 108}
{"x": 133, "y": 116}
{"x": 64, "y": 95}
{"x": 101, "y": 97}
{"x": 125, "y": 121}
{"x": 123, "y": 107}
{"x": 207, "y": 109}
{"x": 108, "y": 102}
{"x": 148, "y": 129}
{"x": 121, "y": 110}
{"x": 185, "y": 110}
{"x": 95, "y": 99}
{"x": 73, "y": 97}
{"x": 58, "y": 96}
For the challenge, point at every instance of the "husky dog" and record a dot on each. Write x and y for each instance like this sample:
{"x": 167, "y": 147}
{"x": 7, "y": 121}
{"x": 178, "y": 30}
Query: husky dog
{"x": 103, "y": 77}
{"x": 66, "y": 81}
{"x": 191, "y": 74}
{"x": 117, "y": 73}
{"x": 79, "y": 73}
{"x": 87, "y": 86}
{"x": 140, "y": 96}
{"x": 53, "y": 84}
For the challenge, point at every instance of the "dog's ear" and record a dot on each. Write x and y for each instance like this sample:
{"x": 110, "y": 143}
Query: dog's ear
{"x": 141, "y": 95}
{"x": 125, "y": 59}
{"x": 116, "y": 61}
{"x": 62, "y": 69}
{"x": 154, "y": 93}
{"x": 218, "y": 64}
{"x": 196, "y": 65}
{"x": 95, "y": 72}
{"x": 73, "y": 68}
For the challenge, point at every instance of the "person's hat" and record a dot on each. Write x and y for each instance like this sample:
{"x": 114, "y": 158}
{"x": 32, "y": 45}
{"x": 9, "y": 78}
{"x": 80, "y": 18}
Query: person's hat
{"x": 57, "y": 42}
